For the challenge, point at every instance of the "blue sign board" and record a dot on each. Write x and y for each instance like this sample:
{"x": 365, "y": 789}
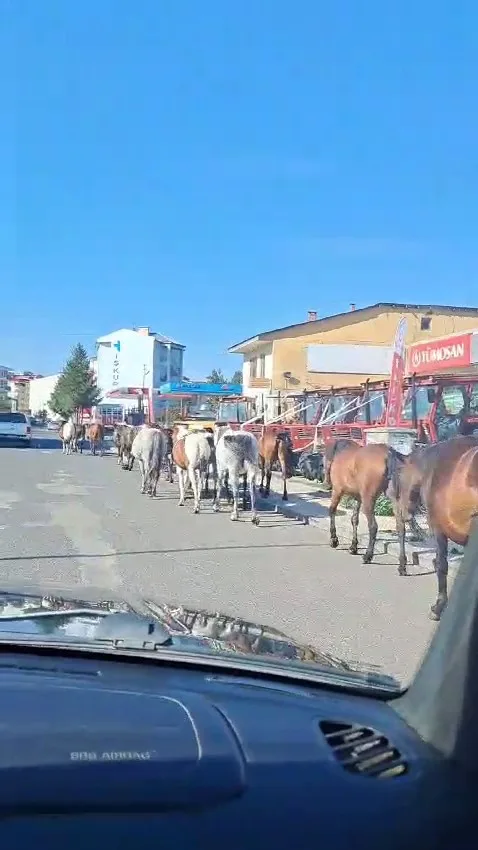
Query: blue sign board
{"x": 201, "y": 387}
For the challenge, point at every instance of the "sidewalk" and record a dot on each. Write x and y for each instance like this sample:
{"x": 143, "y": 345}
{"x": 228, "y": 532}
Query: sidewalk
{"x": 309, "y": 503}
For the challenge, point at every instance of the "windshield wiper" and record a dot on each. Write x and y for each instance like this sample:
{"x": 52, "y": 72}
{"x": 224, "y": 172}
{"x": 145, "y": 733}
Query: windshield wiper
{"x": 68, "y": 612}
{"x": 118, "y": 630}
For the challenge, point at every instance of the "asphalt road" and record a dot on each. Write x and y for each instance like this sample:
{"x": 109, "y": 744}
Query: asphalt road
{"x": 79, "y": 522}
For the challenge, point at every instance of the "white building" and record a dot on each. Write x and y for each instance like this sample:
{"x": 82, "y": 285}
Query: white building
{"x": 135, "y": 359}
{"x": 4, "y": 383}
{"x": 40, "y": 394}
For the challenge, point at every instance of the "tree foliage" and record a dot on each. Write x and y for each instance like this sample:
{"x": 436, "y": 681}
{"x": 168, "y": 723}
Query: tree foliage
{"x": 217, "y": 376}
{"x": 76, "y": 386}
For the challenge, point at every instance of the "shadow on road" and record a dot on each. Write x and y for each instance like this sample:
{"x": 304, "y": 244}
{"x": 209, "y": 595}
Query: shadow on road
{"x": 164, "y": 551}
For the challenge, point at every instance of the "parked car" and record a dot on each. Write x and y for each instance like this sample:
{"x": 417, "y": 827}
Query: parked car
{"x": 51, "y": 425}
{"x": 16, "y": 427}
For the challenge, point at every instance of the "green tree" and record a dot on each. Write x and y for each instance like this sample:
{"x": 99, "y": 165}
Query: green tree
{"x": 76, "y": 387}
{"x": 216, "y": 377}
{"x": 237, "y": 377}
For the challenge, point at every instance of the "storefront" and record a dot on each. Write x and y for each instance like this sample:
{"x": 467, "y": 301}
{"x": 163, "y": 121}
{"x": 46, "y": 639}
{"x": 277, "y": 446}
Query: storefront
{"x": 455, "y": 354}
{"x": 453, "y": 398}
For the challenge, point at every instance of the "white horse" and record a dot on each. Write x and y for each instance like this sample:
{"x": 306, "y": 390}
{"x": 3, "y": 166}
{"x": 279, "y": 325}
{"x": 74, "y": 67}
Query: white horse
{"x": 149, "y": 448}
{"x": 68, "y": 435}
{"x": 237, "y": 454}
{"x": 192, "y": 455}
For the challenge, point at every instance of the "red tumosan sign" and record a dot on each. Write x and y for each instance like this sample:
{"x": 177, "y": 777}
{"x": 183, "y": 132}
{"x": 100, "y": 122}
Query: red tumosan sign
{"x": 453, "y": 352}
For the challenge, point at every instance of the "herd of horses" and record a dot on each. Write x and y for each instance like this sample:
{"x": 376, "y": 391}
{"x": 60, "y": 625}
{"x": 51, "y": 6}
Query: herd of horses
{"x": 222, "y": 454}
{"x": 439, "y": 479}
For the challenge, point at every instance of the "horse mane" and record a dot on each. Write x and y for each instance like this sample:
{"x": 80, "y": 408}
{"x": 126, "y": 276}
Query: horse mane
{"x": 332, "y": 449}
{"x": 284, "y": 437}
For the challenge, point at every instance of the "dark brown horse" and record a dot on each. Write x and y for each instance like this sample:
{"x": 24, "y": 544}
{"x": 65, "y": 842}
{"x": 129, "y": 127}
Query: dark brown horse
{"x": 444, "y": 479}
{"x": 275, "y": 447}
{"x": 363, "y": 472}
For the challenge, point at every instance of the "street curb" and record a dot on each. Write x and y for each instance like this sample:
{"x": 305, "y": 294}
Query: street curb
{"x": 417, "y": 555}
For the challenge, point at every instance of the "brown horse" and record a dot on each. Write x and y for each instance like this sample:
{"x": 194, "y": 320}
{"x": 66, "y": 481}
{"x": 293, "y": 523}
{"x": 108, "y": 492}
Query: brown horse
{"x": 363, "y": 472}
{"x": 95, "y": 436}
{"x": 444, "y": 478}
{"x": 275, "y": 447}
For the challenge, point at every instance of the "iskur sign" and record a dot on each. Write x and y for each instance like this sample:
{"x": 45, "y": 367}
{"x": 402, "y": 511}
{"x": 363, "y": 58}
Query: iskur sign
{"x": 447, "y": 353}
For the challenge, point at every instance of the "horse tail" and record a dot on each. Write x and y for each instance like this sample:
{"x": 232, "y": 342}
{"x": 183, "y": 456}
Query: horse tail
{"x": 393, "y": 466}
{"x": 330, "y": 452}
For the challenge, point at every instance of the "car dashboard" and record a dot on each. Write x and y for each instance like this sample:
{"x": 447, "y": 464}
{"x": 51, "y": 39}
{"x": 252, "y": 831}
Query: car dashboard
{"x": 95, "y": 750}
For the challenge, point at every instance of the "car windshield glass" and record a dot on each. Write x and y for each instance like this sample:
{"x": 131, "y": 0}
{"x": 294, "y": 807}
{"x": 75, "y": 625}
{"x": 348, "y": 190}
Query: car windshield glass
{"x": 233, "y": 236}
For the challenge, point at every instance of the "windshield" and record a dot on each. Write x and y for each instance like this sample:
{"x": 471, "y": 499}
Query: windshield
{"x": 221, "y": 215}
{"x": 234, "y": 411}
{"x": 423, "y": 401}
{"x": 376, "y": 405}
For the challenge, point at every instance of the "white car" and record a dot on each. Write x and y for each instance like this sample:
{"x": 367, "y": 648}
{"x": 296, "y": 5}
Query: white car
{"x": 16, "y": 427}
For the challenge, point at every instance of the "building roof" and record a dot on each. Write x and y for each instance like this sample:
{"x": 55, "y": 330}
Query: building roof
{"x": 160, "y": 337}
{"x": 350, "y": 316}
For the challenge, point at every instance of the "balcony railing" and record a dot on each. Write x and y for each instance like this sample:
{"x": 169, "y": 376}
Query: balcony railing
{"x": 259, "y": 383}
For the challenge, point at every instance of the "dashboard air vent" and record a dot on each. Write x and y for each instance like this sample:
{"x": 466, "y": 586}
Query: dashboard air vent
{"x": 363, "y": 751}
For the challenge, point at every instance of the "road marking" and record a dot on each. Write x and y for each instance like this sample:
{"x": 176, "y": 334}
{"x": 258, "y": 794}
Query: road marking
{"x": 35, "y": 524}
{"x": 8, "y": 498}
{"x": 96, "y": 559}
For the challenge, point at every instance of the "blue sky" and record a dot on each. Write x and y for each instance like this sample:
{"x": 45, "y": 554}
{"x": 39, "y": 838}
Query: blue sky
{"x": 214, "y": 169}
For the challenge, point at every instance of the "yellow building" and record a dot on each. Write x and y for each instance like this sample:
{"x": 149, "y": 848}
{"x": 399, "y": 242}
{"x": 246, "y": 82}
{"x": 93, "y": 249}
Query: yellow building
{"x": 339, "y": 350}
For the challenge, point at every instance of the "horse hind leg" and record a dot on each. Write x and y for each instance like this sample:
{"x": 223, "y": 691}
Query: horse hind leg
{"x": 441, "y": 569}
{"x": 251, "y": 476}
{"x": 355, "y": 524}
{"x": 181, "y": 474}
{"x": 154, "y": 483}
{"x": 283, "y": 466}
{"x": 263, "y": 472}
{"x": 244, "y": 492}
{"x": 234, "y": 482}
{"x": 195, "y": 480}
{"x": 334, "y": 503}
{"x": 401, "y": 528}
{"x": 369, "y": 511}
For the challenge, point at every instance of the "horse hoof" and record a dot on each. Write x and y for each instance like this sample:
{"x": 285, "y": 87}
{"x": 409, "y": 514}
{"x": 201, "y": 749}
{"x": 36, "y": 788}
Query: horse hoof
{"x": 367, "y": 559}
{"x": 434, "y": 615}
{"x": 255, "y": 520}
{"x": 233, "y": 518}
{"x": 353, "y": 550}
{"x": 334, "y": 542}
{"x": 196, "y": 510}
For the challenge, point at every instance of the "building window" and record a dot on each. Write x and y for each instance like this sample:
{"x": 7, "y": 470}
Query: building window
{"x": 257, "y": 367}
{"x": 163, "y": 363}
{"x": 176, "y": 364}
{"x": 425, "y": 323}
